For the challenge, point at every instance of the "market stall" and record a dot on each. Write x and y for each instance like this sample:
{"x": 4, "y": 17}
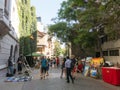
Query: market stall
{"x": 95, "y": 70}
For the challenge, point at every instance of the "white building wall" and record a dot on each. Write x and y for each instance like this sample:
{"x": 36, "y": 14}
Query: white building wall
{"x": 1, "y": 3}
{"x": 5, "y": 46}
{"x": 48, "y": 51}
{"x": 12, "y": 37}
{"x": 40, "y": 27}
{"x": 14, "y": 19}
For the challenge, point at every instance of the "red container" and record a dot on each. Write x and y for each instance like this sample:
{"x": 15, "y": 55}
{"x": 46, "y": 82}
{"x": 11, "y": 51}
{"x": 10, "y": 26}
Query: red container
{"x": 111, "y": 75}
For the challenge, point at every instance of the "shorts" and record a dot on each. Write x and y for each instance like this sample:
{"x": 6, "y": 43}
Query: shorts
{"x": 47, "y": 68}
{"x": 43, "y": 69}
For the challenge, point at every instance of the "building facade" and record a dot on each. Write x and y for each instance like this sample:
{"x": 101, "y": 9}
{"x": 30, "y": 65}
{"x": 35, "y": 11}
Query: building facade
{"x": 9, "y": 22}
{"x": 111, "y": 51}
{"x": 44, "y": 41}
{"x": 44, "y": 44}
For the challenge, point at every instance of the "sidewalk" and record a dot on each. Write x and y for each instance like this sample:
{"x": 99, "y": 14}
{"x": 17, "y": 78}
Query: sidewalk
{"x": 9, "y": 85}
{"x": 2, "y": 74}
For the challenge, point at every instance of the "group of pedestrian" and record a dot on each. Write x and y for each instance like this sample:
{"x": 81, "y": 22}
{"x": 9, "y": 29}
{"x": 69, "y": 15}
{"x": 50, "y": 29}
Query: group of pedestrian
{"x": 54, "y": 62}
{"x": 46, "y": 63}
{"x": 11, "y": 66}
{"x": 69, "y": 66}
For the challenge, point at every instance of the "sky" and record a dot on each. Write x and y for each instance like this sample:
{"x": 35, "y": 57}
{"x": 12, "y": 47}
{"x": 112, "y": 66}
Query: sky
{"x": 46, "y": 9}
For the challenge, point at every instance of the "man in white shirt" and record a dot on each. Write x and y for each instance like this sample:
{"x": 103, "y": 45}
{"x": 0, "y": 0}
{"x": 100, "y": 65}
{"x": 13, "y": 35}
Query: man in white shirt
{"x": 68, "y": 69}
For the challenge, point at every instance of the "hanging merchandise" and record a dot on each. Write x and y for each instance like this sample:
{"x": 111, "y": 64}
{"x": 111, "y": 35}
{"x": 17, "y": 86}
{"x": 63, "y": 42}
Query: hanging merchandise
{"x": 86, "y": 71}
{"x": 95, "y": 62}
{"x": 93, "y": 73}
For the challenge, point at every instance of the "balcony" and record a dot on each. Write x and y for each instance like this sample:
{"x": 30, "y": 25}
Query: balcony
{"x": 4, "y": 22}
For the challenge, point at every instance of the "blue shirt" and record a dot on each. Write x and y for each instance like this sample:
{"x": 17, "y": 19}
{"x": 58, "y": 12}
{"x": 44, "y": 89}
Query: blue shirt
{"x": 44, "y": 63}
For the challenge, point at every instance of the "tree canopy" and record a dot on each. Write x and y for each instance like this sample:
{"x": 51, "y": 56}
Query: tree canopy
{"x": 83, "y": 21}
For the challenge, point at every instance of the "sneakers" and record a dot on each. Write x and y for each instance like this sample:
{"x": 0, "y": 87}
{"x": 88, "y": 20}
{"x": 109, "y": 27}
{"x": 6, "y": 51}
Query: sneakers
{"x": 72, "y": 81}
{"x": 42, "y": 77}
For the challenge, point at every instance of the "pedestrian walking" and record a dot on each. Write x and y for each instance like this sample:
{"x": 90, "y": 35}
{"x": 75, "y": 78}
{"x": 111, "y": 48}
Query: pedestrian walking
{"x": 47, "y": 67}
{"x": 73, "y": 67}
{"x": 43, "y": 67}
{"x": 63, "y": 68}
{"x": 80, "y": 67}
{"x": 54, "y": 62}
{"x": 57, "y": 61}
{"x": 68, "y": 69}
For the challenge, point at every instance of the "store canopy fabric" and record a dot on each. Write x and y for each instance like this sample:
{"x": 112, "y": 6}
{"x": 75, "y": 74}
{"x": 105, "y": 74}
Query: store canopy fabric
{"x": 35, "y": 54}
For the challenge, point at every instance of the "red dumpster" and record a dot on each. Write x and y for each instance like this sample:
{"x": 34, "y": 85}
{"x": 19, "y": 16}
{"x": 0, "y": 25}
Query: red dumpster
{"x": 111, "y": 75}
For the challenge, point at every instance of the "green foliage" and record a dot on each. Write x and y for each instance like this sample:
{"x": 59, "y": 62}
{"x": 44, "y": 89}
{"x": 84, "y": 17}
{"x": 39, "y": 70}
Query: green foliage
{"x": 112, "y": 18}
{"x": 85, "y": 16}
{"x": 81, "y": 16}
{"x": 57, "y": 49}
{"x": 60, "y": 29}
{"x": 27, "y": 27}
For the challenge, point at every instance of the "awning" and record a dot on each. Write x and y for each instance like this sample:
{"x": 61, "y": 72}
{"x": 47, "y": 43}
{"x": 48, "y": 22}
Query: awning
{"x": 35, "y": 54}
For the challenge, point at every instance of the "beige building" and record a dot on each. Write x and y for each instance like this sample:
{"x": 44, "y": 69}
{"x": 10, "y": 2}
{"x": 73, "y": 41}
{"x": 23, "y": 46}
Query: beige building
{"x": 9, "y": 21}
{"x": 111, "y": 51}
{"x": 44, "y": 41}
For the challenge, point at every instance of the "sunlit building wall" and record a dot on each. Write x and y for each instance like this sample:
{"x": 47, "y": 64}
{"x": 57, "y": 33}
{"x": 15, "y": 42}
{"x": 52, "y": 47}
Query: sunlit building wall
{"x": 9, "y": 21}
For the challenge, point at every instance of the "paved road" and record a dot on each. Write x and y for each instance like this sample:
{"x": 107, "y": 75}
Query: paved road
{"x": 53, "y": 82}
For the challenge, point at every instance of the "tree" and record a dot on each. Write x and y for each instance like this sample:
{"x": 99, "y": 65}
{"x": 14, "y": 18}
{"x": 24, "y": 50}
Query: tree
{"x": 57, "y": 49}
{"x": 83, "y": 16}
{"x": 61, "y": 30}
{"x": 73, "y": 31}
{"x": 111, "y": 16}
{"x": 101, "y": 17}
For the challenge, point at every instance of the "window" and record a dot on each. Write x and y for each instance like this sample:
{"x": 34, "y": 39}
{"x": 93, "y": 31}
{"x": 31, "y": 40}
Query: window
{"x": 97, "y": 54}
{"x": 105, "y": 53}
{"x": 6, "y": 3}
{"x": 114, "y": 52}
{"x": 11, "y": 50}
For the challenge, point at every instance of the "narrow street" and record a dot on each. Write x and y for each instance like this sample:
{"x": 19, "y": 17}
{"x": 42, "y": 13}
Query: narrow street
{"x": 54, "y": 82}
